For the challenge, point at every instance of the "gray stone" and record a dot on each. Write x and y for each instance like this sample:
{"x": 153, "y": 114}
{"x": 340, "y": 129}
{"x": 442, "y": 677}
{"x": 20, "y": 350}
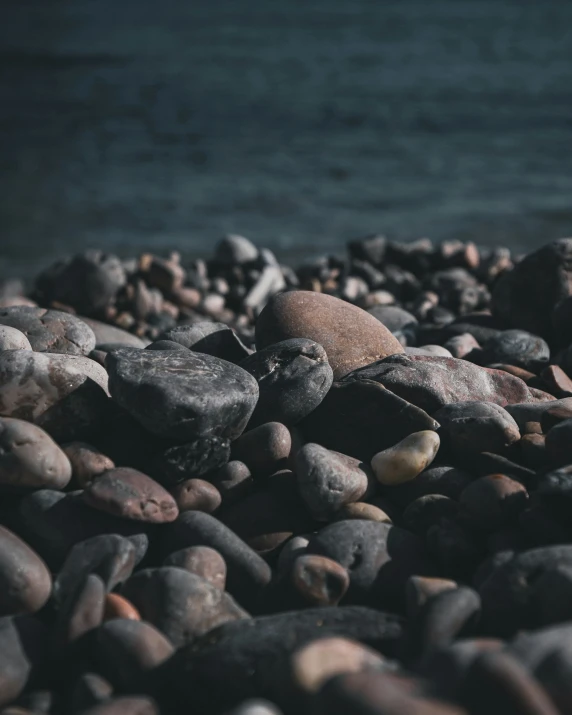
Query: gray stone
{"x": 477, "y": 427}
{"x": 209, "y": 338}
{"x": 50, "y": 331}
{"x": 13, "y": 339}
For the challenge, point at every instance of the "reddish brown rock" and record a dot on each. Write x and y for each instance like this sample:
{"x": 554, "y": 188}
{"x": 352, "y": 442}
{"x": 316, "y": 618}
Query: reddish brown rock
{"x": 198, "y": 495}
{"x": 350, "y": 336}
{"x": 87, "y": 461}
{"x": 117, "y": 606}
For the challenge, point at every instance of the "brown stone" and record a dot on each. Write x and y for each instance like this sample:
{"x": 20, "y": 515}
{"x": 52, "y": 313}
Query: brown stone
{"x": 319, "y": 580}
{"x": 197, "y": 495}
{"x": 557, "y": 381}
{"x": 87, "y": 461}
{"x": 117, "y": 606}
{"x": 351, "y": 337}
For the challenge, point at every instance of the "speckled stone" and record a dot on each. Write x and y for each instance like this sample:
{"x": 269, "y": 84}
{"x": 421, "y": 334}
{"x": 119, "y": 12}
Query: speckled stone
{"x": 350, "y": 336}
{"x": 50, "y": 331}
{"x": 13, "y": 339}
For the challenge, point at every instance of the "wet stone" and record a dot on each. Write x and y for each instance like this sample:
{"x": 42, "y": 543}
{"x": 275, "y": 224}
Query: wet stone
{"x": 182, "y": 397}
{"x": 25, "y": 582}
{"x": 215, "y": 339}
{"x": 130, "y": 494}
{"x": 350, "y": 336}
{"x": 328, "y": 480}
{"x": 29, "y": 458}
{"x": 201, "y": 561}
{"x": 179, "y": 603}
{"x": 50, "y": 330}
{"x": 293, "y": 377}
{"x": 13, "y": 339}
{"x": 86, "y": 461}
{"x": 405, "y": 460}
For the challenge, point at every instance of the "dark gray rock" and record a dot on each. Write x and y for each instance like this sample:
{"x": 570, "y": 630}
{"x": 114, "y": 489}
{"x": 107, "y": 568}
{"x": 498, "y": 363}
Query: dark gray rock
{"x": 106, "y": 334}
{"x": 293, "y": 377}
{"x": 193, "y": 459}
{"x": 182, "y": 396}
{"x": 25, "y": 582}
{"x": 234, "y": 249}
{"x": 50, "y": 331}
{"x": 22, "y": 647}
{"x": 445, "y": 480}
{"x": 209, "y": 338}
{"x": 516, "y": 347}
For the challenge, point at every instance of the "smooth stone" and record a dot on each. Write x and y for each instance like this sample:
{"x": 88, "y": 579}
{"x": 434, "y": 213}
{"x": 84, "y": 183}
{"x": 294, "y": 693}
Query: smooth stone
{"x": 22, "y": 649}
{"x": 493, "y": 502}
{"x": 80, "y": 612}
{"x": 215, "y": 339}
{"x": 255, "y": 706}
{"x": 55, "y": 522}
{"x": 520, "y": 372}
{"x": 557, "y": 381}
{"x": 25, "y": 582}
{"x": 328, "y": 480}
{"x": 394, "y": 318}
{"x": 232, "y": 663}
{"x": 193, "y": 459}
{"x": 525, "y": 297}
{"x": 106, "y": 334}
{"x": 476, "y": 427}
{"x": 263, "y": 449}
{"x": 533, "y": 450}
{"x": 13, "y": 339}
{"x": 559, "y": 443}
{"x": 294, "y": 547}
{"x": 130, "y": 494}
{"x": 405, "y": 460}
{"x": 164, "y": 345}
{"x": 127, "y": 651}
{"x": 361, "y": 510}
{"x": 88, "y": 281}
{"x": 523, "y": 413}
{"x": 192, "y": 395}
{"x": 350, "y": 336}
{"x": 197, "y": 494}
{"x": 361, "y": 418}
{"x": 50, "y": 331}
{"x": 117, "y": 606}
{"x": 110, "y": 556}
{"x": 233, "y": 481}
{"x": 30, "y": 458}
{"x": 427, "y": 510}
{"x": 461, "y": 345}
{"x": 89, "y": 690}
{"x": 317, "y": 662}
{"x": 454, "y": 547}
{"x": 235, "y": 249}
{"x": 201, "y": 561}
{"x": 125, "y": 705}
{"x": 508, "y": 592}
{"x": 179, "y": 603}
{"x": 553, "y": 416}
{"x": 428, "y": 351}
{"x": 516, "y": 347}
{"x": 247, "y": 572}
{"x": 445, "y": 480}
{"x": 319, "y": 581}
{"x": 293, "y": 378}
{"x": 379, "y": 558}
{"x": 66, "y": 395}
{"x": 432, "y": 382}
{"x": 86, "y": 461}
{"x": 421, "y": 589}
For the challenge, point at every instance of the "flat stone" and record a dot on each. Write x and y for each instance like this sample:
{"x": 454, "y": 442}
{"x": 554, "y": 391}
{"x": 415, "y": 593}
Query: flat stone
{"x": 182, "y": 396}
{"x": 50, "y": 331}
{"x": 13, "y": 339}
{"x": 350, "y": 336}
{"x": 106, "y": 334}
{"x": 293, "y": 378}
{"x": 328, "y": 480}
{"x": 209, "y": 338}
{"x": 432, "y": 382}
{"x": 477, "y": 427}
{"x": 25, "y": 580}
{"x": 29, "y": 458}
{"x": 405, "y": 460}
{"x": 179, "y": 603}
{"x": 66, "y": 395}
{"x": 130, "y": 494}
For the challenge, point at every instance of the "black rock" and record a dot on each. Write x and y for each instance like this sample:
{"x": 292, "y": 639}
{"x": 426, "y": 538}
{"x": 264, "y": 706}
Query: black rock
{"x": 191, "y": 460}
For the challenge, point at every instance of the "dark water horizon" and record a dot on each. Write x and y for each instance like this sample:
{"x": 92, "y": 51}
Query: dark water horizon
{"x": 142, "y": 125}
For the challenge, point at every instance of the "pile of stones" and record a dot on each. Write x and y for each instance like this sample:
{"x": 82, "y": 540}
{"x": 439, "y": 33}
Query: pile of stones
{"x": 236, "y": 488}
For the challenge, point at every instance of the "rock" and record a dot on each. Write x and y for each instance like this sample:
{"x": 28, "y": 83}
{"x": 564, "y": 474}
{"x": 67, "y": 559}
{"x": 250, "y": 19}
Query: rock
{"x": 558, "y": 443}
{"x": 422, "y": 513}
{"x": 24, "y": 578}
{"x": 13, "y": 339}
{"x": 360, "y": 418}
{"x": 110, "y": 556}
{"x": 29, "y": 458}
{"x": 233, "y": 481}
{"x": 210, "y": 338}
{"x": 232, "y": 663}
{"x": 201, "y": 561}
{"x": 351, "y": 337}
{"x": 470, "y": 427}
{"x": 179, "y": 603}
{"x": 462, "y": 345}
{"x": 50, "y": 331}
{"x": 193, "y": 459}
{"x": 66, "y": 395}
{"x": 263, "y": 449}
{"x": 234, "y": 249}
{"x": 319, "y": 580}
{"x": 247, "y": 575}
{"x": 432, "y": 382}
{"x": 22, "y": 647}
{"x": 255, "y": 706}
{"x": 421, "y": 589}
{"x": 118, "y": 607}
{"x": 106, "y": 334}
{"x": 548, "y": 271}
{"x": 361, "y": 510}
{"x": 428, "y": 351}
{"x": 445, "y": 480}
{"x": 533, "y": 412}
{"x": 395, "y": 319}
{"x": 493, "y": 502}
{"x": 89, "y": 690}
{"x": 89, "y": 282}
{"x": 455, "y": 548}
{"x": 182, "y": 397}
{"x": 81, "y": 612}
{"x": 86, "y": 461}
{"x": 293, "y": 378}
{"x": 557, "y": 381}
{"x": 405, "y": 460}
{"x": 127, "y": 651}
{"x": 516, "y": 347}
{"x": 197, "y": 495}
{"x": 130, "y": 494}
{"x": 133, "y": 705}
{"x": 163, "y": 345}
{"x": 379, "y": 558}
{"x": 328, "y": 480}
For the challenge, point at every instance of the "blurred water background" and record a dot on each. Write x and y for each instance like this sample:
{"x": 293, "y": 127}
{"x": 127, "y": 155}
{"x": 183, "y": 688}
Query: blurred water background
{"x": 149, "y": 125}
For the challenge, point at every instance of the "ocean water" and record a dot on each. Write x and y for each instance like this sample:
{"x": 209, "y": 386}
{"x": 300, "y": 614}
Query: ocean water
{"x": 143, "y": 125}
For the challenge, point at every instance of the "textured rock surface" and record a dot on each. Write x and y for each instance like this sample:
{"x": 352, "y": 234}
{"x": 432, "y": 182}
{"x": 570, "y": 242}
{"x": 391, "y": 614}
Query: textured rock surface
{"x": 13, "y": 339}
{"x": 50, "y": 331}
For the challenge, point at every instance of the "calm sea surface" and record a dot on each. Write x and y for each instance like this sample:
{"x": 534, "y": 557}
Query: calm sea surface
{"x": 130, "y": 124}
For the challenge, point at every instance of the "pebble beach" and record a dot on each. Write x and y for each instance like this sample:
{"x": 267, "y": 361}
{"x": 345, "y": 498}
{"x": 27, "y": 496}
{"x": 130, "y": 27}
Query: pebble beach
{"x": 236, "y": 486}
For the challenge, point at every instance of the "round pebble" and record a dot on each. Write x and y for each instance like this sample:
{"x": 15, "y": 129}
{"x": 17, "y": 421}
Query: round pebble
{"x": 405, "y": 460}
